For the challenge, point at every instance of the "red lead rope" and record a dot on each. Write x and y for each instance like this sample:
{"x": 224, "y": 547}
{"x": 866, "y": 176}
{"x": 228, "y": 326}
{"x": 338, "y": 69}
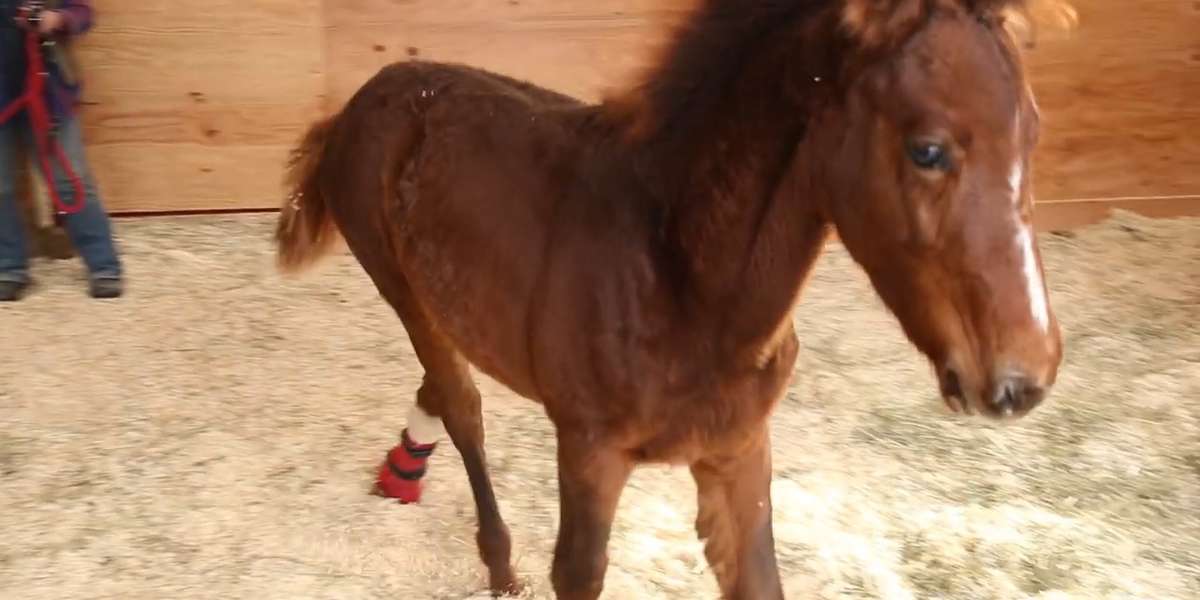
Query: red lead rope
{"x": 34, "y": 101}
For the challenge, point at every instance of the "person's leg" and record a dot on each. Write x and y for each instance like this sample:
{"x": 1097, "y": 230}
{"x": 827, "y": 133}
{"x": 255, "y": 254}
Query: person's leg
{"x": 90, "y": 228}
{"x": 14, "y": 249}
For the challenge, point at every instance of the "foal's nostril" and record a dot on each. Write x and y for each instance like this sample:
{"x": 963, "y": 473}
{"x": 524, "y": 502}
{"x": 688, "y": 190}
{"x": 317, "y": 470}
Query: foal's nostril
{"x": 951, "y": 385}
{"x": 1016, "y": 395}
{"x": 1006, "y": 399}
{"x": 1033, "y": 395}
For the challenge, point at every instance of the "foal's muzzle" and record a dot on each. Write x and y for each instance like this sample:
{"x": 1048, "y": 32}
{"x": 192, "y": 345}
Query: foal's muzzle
{"x": 1009, "y": 396}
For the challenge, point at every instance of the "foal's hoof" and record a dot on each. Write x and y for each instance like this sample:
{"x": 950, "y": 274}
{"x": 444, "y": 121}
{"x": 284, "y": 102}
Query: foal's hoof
{"x": 405, "y": 492}
{"x": 505, "y": 584}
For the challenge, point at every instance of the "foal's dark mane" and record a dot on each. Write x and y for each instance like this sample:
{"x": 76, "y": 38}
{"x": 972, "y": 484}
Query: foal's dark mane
{"x": 710, "y": 49}
{"x": 701, "y": 60}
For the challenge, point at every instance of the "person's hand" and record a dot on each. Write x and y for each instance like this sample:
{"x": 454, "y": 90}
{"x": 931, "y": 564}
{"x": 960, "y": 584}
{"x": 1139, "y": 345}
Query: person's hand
{"x": 51, "y": 21}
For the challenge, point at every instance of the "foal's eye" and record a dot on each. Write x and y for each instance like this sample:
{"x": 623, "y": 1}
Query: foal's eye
{"x": 929, "y": 155}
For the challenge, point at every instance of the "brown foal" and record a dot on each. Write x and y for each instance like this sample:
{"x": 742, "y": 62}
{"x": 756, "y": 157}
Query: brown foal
{"x": 632, "y": 265}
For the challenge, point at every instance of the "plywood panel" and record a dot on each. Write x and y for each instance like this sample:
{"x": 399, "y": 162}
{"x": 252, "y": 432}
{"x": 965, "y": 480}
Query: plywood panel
{"x": 1118, "y": 94}
{"x": 581, "y": 62}
{"x": 140, "y": 177}
{"x": 1057, "y": 215}
{"x": 547, "y": 14}
{"x": 192, "y": 105}
{"x": 1120, "y": 98}
{"x": 575, "y": 46}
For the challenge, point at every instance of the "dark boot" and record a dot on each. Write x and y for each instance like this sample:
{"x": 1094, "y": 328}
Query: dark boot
{"x": 11, "y": 291}
{"x": 105, "y": 287}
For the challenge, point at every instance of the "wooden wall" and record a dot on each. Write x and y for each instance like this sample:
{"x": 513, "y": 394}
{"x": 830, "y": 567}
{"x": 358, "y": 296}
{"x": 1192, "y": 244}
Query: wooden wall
{"x": 577, "y": 46}
{"x": 1120, "y": 100}
{"x": 193, "y": 105}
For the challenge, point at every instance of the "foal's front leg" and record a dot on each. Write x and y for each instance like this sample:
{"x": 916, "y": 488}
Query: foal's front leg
{"x": 591, "y": 477}
{"x": 734, "y": 519}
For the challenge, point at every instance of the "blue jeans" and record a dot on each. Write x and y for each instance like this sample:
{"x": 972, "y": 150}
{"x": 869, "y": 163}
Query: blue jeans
{"x": 89, "y": 229}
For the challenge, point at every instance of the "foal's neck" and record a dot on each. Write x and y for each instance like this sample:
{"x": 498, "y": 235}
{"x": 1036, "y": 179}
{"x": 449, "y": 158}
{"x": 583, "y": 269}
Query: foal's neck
{"x": 740, "y": 199}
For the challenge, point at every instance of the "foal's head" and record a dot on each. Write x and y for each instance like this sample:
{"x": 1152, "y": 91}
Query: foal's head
{"x": 930, "y": 157}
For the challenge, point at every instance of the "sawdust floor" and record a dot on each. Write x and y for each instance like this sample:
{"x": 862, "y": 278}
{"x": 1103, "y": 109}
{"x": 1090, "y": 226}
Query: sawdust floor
{"x": 214, "y": 435}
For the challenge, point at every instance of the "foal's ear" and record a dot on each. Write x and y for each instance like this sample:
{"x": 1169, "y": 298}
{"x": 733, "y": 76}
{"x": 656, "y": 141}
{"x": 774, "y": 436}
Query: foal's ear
{"x": 1023, "y": 18}
{"x": 877, "y": 23}
{"x": 1060, "y": 12}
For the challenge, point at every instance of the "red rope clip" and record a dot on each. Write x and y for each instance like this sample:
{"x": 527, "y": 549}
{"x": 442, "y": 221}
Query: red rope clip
{"x": 33, "y": 100}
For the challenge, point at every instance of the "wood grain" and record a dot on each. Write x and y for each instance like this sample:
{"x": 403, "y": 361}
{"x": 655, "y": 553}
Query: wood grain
{"x": 1055, "y": 215}
{"x": 582, "y": 63}
{"x": 192, "y": 106}
{"x": 147, "y": 176}
{"x": 1120, "y": 99}
{"x": 500, "y": 14}
{"x": 581, "y": 48}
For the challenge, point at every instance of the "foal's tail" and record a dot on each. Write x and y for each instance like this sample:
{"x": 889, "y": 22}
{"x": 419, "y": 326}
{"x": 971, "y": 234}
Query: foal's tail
{"x": 305, "y": 230}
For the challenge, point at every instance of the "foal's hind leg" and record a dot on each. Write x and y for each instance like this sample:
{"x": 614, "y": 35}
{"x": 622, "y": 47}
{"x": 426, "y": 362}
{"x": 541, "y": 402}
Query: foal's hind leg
{"x": 456, "y": 400}
{"x": 448, "y": 392}
{"x": 734, "y": 519}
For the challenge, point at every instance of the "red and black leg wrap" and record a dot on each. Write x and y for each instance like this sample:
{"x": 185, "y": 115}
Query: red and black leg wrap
{"x": 401, "y": 473}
